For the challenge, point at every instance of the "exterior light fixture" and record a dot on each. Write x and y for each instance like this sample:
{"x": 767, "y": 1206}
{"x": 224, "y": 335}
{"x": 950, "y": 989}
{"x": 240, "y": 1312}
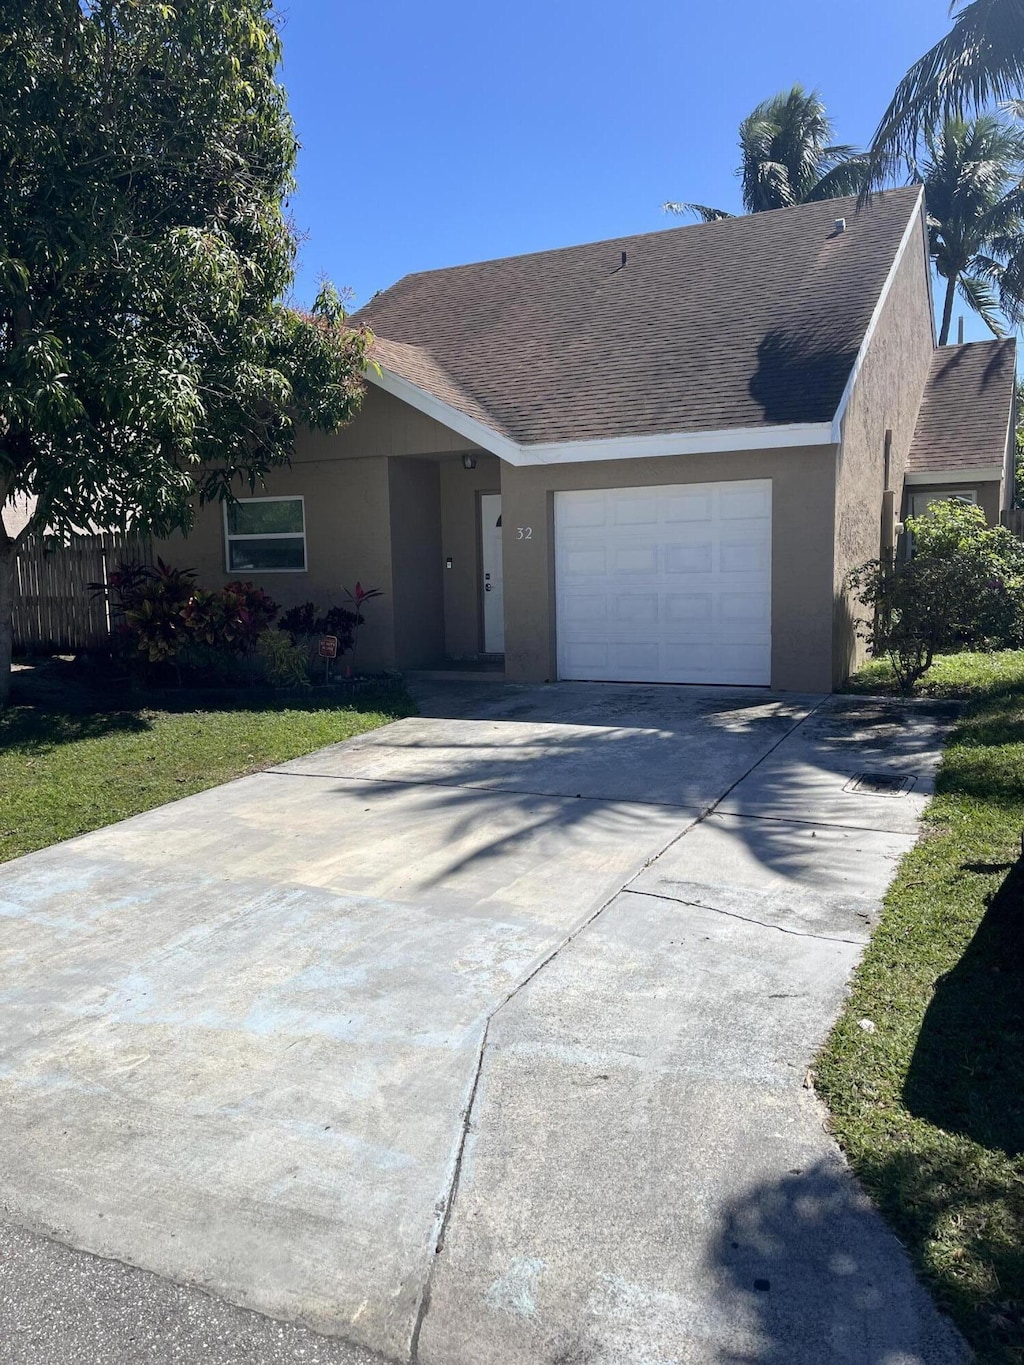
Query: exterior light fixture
{"x": 468, "y": 461}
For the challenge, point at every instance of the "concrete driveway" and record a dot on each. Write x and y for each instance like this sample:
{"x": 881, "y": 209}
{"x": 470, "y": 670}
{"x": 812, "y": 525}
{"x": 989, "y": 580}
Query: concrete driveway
{"x": 480, "y": 1038}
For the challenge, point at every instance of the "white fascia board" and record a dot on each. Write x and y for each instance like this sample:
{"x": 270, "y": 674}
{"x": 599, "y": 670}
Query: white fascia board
{"x": 718, "y": 441}
{"x": 442, "y": 412}
{"x": 979, "y": 474}
{"x": 615, "y": 448}
{"x": 869, "y": 335}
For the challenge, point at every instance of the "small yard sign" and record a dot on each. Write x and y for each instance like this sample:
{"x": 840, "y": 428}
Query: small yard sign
{"x": 328, "y": 646}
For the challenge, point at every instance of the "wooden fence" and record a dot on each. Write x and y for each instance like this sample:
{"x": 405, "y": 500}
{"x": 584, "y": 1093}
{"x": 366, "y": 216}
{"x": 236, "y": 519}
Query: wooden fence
{"x": 55, "y": 609}
{"x": 1013, "y": 520}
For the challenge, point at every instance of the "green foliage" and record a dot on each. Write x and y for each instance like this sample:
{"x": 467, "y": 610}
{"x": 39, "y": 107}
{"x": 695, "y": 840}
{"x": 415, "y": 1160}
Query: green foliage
{"x": 166, "y": 616}
{"x": 787, "y": 156}
{"x": 146, "y": 359}
{"x": 963, "y": 587}
{"x": 153, "y": 604}
{"x": 79, "y": 767}
{"x": 928, "y": 1107}
{"x": 305, "y": 624}
{"x": 971, "y": 173}
{"x": 286, "y": 663}
{"x": 979, "y": 63}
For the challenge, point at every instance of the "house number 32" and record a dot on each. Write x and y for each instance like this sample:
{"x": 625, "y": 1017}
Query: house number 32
{"x": 524, "y": 533}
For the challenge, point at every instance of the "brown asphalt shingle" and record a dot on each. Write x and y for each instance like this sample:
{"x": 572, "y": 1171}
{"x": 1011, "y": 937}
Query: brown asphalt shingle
{"x": 750, "y": 322}
{"x": 966, "y": 408}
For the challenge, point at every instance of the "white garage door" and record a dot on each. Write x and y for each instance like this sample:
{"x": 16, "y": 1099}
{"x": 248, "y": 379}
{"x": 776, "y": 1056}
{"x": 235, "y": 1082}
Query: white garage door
{"x": 667, "y": 584}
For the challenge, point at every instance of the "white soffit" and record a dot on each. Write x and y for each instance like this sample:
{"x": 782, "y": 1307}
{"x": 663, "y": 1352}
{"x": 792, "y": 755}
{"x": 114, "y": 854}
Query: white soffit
{"x": 614, "y": 448}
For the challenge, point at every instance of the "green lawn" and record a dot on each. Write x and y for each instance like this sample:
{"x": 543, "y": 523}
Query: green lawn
{"x": 951, "y": 675}
{"x": 63, "y": 772}
{"x": 930, "y": 1107}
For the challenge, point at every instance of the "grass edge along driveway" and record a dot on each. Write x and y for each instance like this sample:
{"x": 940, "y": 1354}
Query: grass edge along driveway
{"x": 929, "y": 1104}
{"x": 66, "y": 772}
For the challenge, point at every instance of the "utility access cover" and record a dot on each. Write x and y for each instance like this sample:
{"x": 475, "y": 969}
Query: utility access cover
{"x": 880, "y": 784}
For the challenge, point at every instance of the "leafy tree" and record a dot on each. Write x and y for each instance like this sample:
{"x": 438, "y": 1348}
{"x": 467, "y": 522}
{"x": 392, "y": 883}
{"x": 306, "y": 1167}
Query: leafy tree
{"x": 972, "y": 178}
{"x": 979, "y": 62}
{"x": 147, "y": 362}
{"x": 963, "y": 587}
{"x": 787, "y": 157}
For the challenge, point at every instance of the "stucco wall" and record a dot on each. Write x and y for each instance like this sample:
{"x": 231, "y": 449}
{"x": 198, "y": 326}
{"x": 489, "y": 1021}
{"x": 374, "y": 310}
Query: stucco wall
{"x": 384, "y": 425}
{"x": 418, "y": 602}
{"x": 348, "y": 490}
{"x": 347, "y": 538}
{"x": 802, "y": 543}
{"x": 461, "y": 490}
{"x": 887, "y": 397}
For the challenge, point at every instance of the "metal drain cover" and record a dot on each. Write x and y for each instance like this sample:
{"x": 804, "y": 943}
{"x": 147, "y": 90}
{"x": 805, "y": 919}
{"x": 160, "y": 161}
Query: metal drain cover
{"x": 880, "y": 784}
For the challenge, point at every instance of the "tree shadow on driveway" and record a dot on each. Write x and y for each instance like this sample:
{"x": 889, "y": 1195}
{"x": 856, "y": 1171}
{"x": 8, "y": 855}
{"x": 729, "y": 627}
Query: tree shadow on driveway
{"x": 815, "y": 1276}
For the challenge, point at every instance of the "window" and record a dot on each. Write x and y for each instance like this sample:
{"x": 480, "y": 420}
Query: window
{"x": 920, "y": 502}
{"x": 265, "y": 535}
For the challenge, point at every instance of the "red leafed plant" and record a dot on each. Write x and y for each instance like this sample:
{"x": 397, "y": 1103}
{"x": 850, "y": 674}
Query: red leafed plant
{"x": 358, "y": 597}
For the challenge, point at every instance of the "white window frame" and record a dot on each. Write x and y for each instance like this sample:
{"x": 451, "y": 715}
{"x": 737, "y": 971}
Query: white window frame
{"x": 229, "y": 535}
{"x": 927, "y": 495}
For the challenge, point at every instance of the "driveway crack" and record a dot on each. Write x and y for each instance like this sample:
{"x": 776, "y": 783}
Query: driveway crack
{"x": 747, "y": 919}
{"x": 447, "y": 1205}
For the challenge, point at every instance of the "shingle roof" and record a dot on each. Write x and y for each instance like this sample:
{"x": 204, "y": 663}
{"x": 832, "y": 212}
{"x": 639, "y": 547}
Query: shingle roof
{"x": 966, "y": 408}
{"x": 750, "y": 322}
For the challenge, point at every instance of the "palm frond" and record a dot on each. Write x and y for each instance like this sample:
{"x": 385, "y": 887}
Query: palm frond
{"x": 980, "y": 61}
{"x": 701, "y": 212}
{"x": 980, "y": 296}
{"x": 849, "y": 177}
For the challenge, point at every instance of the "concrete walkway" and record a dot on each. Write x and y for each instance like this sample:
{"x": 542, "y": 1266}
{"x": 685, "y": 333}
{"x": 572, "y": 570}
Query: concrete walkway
{"x": 479, "y": 1038}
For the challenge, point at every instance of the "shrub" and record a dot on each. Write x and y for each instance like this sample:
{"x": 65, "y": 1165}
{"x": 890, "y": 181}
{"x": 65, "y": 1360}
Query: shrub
{"x": 286, "y": 663}
{"x": 167, "y": 616}
{"x": 152, "y": 602}
{"x": 963, "y": 588}
{"x": 304, "y": 625}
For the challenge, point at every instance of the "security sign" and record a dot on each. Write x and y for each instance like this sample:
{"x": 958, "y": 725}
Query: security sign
{"x": 328, "y": 646}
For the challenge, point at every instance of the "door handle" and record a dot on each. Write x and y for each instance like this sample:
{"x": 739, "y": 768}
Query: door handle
{"x": 487, "y": 587}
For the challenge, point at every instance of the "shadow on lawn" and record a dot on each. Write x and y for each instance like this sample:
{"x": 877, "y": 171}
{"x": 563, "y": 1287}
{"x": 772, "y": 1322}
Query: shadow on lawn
{"x": 967, "y": 1072}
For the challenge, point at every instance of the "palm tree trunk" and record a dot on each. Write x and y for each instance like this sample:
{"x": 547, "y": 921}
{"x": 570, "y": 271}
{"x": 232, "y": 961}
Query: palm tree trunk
{"x": 947, "y": 310}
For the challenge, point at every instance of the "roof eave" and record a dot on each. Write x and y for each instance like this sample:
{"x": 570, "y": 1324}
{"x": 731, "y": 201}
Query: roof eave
{"x": 721, "y": 440}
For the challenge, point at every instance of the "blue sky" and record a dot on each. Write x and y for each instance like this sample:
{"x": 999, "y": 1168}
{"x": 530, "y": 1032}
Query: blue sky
{"x": 444, "y": 132}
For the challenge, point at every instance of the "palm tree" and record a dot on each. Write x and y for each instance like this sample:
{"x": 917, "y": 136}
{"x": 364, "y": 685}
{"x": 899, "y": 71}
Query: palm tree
{"x": 980, "y": 61}
{"x": 975, "y": 202}
{"x": 788, "y": 157}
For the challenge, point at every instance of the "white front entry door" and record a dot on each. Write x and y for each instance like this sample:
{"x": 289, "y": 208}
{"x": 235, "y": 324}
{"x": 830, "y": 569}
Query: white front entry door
{"x": 494, "y": 596}
{"x": 667, "y": 584}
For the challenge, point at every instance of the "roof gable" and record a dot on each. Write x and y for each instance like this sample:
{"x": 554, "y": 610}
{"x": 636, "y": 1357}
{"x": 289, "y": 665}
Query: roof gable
{"x": 750, "y": 323}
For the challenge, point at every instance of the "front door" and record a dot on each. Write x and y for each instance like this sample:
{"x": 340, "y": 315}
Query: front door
{"x": 494, "y": 597}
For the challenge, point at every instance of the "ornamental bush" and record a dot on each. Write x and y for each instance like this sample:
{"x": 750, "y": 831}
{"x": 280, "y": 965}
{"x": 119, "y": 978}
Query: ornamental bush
{"x": 962, "y": 588}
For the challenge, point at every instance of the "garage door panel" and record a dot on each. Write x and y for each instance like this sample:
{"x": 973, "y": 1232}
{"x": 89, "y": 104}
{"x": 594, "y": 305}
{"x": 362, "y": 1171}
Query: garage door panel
{"x": 745, "y": 500}
{"x": 743, "y": 557}
{"x": 688, "y": 506}
{"x": 629, "y": 559}
{"x": 641, "y": 510}
{"x": 586, "y": 510}
{"x": 586, "y": 563}
{"x": 633, "y": 606}
{"x": 689, "y": 559}
{"x": 697, "y": 560}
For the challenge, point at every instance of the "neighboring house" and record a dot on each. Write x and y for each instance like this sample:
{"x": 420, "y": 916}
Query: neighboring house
{"x": 652, "y": 459}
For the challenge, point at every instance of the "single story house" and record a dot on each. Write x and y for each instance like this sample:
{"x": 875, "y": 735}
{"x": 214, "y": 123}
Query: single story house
{"x": 651, "y": 459}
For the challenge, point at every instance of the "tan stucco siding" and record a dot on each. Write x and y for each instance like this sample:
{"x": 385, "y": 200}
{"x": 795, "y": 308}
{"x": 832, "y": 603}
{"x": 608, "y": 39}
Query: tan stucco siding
{"x": 803, "y": 482}
{"x": 887, "y": 397}
{"x": 460, "y": 542}
{"x": 418, "y": 604}
{"x": 347, "y": 508}
{"x": 384, "y": 425}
